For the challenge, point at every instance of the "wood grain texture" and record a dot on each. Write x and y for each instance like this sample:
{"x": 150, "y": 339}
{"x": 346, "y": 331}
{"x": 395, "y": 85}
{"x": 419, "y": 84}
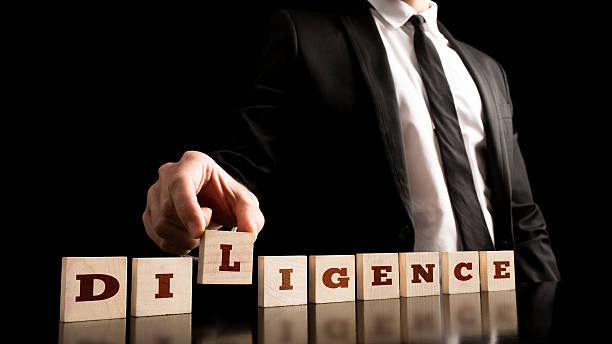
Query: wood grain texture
{"x": 497, "y": 270}
{"x": 421, "y": 319}
{"x": 161, "y": 286}
{"x": 100, "y": 331}
{"x": 175, "y": 329}
{"x": 460, "y": 272}
{"x": 378, "y": 321}
{"x": 332, "y": 323}
{"x": 377, "y": 276}
{"x": 282, "y": 281}
{"x": 78, "y": 285}
{"x": 225, "y": 258}
{"x": 331, "y": 278}
{"x": 419, "y": 273}
{"x": 283, "y": 324}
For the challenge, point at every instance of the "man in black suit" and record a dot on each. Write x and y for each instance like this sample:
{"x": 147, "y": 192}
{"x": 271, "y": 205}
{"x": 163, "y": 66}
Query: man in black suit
{"x": 370, "y": 130}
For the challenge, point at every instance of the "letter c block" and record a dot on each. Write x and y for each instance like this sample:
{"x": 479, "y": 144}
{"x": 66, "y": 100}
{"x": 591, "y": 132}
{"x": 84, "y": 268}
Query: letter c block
{"x": 460, "y": 272}
{"x": 93, "y": 288}
{"x": 331, "y": 278}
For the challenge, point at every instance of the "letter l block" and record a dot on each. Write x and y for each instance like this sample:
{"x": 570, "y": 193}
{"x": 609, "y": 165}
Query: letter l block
{"x": 225, "y": 257}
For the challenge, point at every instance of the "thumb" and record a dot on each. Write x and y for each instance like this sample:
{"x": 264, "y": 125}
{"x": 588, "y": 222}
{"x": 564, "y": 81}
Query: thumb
{"x": 249, "y": 218}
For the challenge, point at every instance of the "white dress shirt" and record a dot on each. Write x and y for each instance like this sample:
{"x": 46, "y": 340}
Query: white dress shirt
{"x": 434, "y": 222}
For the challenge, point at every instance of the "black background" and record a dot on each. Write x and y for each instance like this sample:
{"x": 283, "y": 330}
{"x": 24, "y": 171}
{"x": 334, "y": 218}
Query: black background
{"x": 114, "y": 91}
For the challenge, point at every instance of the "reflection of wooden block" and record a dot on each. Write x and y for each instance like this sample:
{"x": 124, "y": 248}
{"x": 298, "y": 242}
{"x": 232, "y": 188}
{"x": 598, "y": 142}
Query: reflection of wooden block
{"x": 460, "y": 272}
{"x": 161, "y": 286}
{"x": 331, "y": 279}
{"x": 93, "y": 288}
{"x": 225, "y": 258}
{"x": 377, "y": 276}
{"x": 497, "y": 270}
{"x": 100, "y": 331}
{"x": 175, "y": 329}
{"x": 419, "y": 273}
{"x": 421, "y": 319}
{"x": 378, "y": 321}
{"x": 462, "y": 316}
{"x": 281, "y": 281}
{"x": 499, "y": 312}
{"x": 332, "y": 323}
{"x": 282, "y": 324}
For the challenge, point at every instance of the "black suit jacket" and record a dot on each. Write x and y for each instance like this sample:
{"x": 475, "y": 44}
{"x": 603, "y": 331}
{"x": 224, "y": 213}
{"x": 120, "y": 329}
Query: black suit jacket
{"x": 320, "y": 146}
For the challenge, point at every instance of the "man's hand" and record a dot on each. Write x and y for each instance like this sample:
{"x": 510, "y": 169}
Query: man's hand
{"x": 193, "y": 194}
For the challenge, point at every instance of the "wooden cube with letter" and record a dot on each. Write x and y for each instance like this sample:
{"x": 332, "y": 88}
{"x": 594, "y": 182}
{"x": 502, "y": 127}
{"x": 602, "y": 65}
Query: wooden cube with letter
{"x": 419, "y": 273}
{"x": 161, "y": 286}
{"x": 377, "y": 276}
{"x": 281, "y": 281}
{"x": 331, "y": 278}
{"x": 497, "y": 270}
{"x": 460, "y": 272}
{"x": 225, "y": 257}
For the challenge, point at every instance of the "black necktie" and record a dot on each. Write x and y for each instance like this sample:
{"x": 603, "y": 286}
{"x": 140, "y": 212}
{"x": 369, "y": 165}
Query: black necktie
{"x": 468, "y": 214}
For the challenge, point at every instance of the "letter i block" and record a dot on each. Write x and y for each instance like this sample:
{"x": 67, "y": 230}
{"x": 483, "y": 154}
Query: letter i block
{"x": 377, "y": 276}
{"x": 497, "y": 270}
{"x": 331, "y": 279}
{"x": 161, "y": 286}
{"x": 281, "y": 281}
{"x": 93, "y": 288}
{"x": 460, "y": 272}
{"x": 225, "y": 258}
{"x": 419, "y": 273}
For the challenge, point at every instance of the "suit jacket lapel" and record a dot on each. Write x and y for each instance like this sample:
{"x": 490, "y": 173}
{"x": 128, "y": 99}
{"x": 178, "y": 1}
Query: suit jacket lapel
{"x": 371, "y": 55}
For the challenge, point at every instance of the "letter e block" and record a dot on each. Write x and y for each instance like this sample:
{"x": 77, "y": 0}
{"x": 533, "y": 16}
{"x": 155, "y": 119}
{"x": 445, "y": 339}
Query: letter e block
{"x": 460, "y": 272}
{"x": 331, "y": 279}
{"x": 225, "y": 258}
{"x": 377, "y": 276}
{"x": 161, "y": 286}
{"x": 93, "y": 288}
{"x": 281, "y": 281}
{"x": 419, "y": 273}
{"x": 497, "y": 270}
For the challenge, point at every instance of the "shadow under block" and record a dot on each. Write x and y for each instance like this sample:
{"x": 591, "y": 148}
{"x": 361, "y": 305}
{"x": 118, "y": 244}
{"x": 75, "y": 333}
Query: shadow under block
{"x": 379, "y": 321}
{"x": 93, "y": 288}
{"x": 497, "y": 270}
{"x": 419, "y": 273}
{"x": 377, "y": 276}
{"x": 282, "y": 324}
{"x": 282, "y": 281}
{"x": 332, "y": 323}
{"x": 99, "y": 331}
{"x": 331, "y": 278}
{"x": 225, "y": 258}
{"x": 161, "y": 286}
{"x": 460, "y": 272}
{"x": 167, "y": 329}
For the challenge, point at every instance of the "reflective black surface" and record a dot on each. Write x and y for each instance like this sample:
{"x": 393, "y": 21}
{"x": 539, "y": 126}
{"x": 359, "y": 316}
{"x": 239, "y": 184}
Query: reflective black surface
{"x": 532, "y": 313}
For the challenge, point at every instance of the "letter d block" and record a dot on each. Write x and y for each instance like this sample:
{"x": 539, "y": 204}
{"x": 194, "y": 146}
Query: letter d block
{"x": 331, "y": 279}
{"x": 497, "y": 270}
{"x": 225, "y": 258}
{"x": 419, "y": 273}
{"x": 460, "y": 272}
{"x": 161, "y": 286}
{"x": 377, "y": 276}
{"x": 93, "y": 288}
{"x": 281, "y": 281}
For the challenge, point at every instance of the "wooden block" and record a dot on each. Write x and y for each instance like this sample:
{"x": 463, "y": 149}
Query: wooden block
{"x": 93, "y": 288}
{"x": 331, "y": 278}
{"x": 225, "y": 258}
{"x": 378, "y": 321}
{"x": 460, "y": 272}
{"x": 499, "y": 314}
{"x": 175, "y": 329}
{"x": 419, "y": 273}
{"x": 462, "y": 316}
{"x": 421, "y": 319}
{"x": 282, "y": 324}
{"x": 161, "y": 286}
{"x": 377, "y": 276}
{"x": 281, "y": 281}
{"x": 497, "y": 270}
{"x": 101, "y": 331}
{"x": 332, "y": 323}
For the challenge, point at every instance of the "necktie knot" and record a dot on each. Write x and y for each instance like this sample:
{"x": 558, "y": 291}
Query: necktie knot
{"x": 417, "y": 21}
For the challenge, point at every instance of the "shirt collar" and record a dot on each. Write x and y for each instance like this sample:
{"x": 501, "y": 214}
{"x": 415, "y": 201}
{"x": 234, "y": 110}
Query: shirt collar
{"x": 397, "y": 13}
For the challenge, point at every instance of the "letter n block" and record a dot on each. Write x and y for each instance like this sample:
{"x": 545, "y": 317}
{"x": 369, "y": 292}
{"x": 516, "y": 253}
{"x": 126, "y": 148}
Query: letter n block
{"x": 377, "y": 276}
{"x": 93, "y": 288}
{"x": 331, "y": 278}
{"x": 460, "y": 272}
{"x": 161, "y": 286}
{"x": 225, "y": 258}
{"x": 281, "y": 281}
{"x": 497, "y": 270}
{"x": 419, "y": 273}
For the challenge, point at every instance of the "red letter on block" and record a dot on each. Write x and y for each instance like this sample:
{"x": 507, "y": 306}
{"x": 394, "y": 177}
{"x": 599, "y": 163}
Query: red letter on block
{"x": 225, "y": 259}
{"x": 417, "y": 270}
{"x": 378, "y": 275}
{"x": 286, "y": 277}
{"x": 458, "y": 274}
{"x": 500, "y": 268}
{"x": 342, "y": 281}
{"x": 111, "y": 287}
{"x": 164, "y": 286}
